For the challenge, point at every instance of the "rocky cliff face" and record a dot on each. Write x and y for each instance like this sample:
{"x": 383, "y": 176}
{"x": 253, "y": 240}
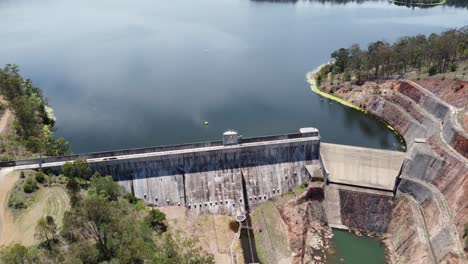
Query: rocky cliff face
{"x": 365, "y": 211}
{"x": 309, "y": 236}
{"x": 432, "y": 200}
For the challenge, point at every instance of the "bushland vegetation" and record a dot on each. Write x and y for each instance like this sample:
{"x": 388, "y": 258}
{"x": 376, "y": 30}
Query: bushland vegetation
{"x": 104, "y": 225}
{"x": 34, "y": 121}
{"x": 436, "y": 53}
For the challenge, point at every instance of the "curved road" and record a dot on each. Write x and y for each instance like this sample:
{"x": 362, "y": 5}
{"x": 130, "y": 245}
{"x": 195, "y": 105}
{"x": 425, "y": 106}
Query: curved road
{"x": 6, "y": 183}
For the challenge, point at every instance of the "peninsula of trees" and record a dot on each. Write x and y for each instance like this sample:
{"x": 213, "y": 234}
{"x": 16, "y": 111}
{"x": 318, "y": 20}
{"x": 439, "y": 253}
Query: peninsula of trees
{"x": 34, "y": 121}
{"x": 381, "y": 60}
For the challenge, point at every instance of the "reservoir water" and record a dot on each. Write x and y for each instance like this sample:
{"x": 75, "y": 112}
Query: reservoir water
{"x": 121, "y": 73}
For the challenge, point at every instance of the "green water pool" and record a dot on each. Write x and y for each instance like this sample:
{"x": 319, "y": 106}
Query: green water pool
{"x": 353, "y": 249}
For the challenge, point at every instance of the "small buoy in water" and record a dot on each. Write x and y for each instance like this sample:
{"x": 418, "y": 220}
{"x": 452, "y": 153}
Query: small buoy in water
{"x": 206, "y": 123}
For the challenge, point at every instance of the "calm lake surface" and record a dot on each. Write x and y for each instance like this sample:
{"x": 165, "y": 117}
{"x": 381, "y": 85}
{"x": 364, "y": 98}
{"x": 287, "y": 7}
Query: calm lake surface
{"x": 125, "y": 74}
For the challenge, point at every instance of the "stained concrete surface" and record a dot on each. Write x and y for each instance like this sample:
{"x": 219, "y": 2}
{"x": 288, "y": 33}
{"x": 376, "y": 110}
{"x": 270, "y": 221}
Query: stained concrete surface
{"x": 363, "y": 167}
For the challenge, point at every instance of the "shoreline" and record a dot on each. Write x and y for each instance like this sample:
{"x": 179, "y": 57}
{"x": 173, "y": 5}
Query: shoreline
{"x": 310, "y": 78}
{"x": 418, "y": 4}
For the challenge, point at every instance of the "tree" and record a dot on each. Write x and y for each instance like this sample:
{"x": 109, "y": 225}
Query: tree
{"x": 432, "y": 70}
{"x": 18, "y": 253}
{"x": 27, "y": 118}
{"x": 175, "y": 249}
{"x": 78, "y": 168}
{"x": 106, "y": 187}
{"x": 46, "y": 231}
{"x": 74, "y": 189}
{"x": 35, "y": 144}
{"x": 435, "y": 53}
{"x": 59, "y": 147}
{"x": 94, "y": 220}
{"x": 341, "y": 57}
{"x": 112, "y": 227}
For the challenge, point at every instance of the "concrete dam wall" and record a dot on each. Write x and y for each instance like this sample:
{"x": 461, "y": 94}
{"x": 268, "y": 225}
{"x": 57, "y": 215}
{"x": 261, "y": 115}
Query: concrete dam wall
{"x": 216, "y": 178}
{"x": 233, "y": 175}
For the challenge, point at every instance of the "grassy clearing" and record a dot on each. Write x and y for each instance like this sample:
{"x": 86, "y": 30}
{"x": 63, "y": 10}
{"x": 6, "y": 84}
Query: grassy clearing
{"x": 19, "y": 200}
{"x": 49, "y": 198}
{"x": 51, "y": 201}
{"x": 212, "y": 232}
{"x": 269, "y": 230}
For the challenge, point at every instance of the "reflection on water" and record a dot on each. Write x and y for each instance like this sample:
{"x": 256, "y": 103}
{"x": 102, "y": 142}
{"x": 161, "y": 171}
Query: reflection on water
{"x": 124, "y": 74}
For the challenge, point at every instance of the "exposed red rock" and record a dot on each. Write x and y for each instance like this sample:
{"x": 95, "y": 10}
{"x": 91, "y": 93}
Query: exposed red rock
{"x": 451, "y": 91}
{"x": 308, "y": 232}
{"x": 406, "y": 107}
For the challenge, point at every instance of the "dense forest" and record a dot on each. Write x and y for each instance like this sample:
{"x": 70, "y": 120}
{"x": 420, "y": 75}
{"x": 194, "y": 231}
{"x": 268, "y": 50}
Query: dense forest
{"x": 103, "y": 225}
{"x": 436, "y": 53}
{"x": 34, "y": 121}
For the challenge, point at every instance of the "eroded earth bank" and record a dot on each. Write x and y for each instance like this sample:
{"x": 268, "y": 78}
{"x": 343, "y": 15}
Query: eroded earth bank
{"x": 431, "y": 206}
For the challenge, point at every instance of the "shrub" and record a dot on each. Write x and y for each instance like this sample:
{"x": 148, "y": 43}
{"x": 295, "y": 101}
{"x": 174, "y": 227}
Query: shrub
{"x": 318, "y": 79}
{"x": 5, "y": 158}
{"x": 34, "y": 144}
{"x": 16, "y": 202}
{"x": 28, "y": 188}
{"x": 139, "y": 205}
{"x": 156, "y": 219}
{"x": 131, "y": 198}
{"x": 40, "y": 177}
{"x": 30, "y": 185}
{"x": 73, "y": 186}
{"x": 432, "y": 70}
{"x": 453, "y": 67}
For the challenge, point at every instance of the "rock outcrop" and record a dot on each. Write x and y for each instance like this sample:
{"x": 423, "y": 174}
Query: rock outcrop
{"x": 309, "y": 235}
{"x": 432, "y": 199}
{"x": 365, "y": 211}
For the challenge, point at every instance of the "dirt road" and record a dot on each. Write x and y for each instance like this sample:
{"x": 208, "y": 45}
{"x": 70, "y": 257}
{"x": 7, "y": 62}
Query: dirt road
{"x": 6, "y": 218}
